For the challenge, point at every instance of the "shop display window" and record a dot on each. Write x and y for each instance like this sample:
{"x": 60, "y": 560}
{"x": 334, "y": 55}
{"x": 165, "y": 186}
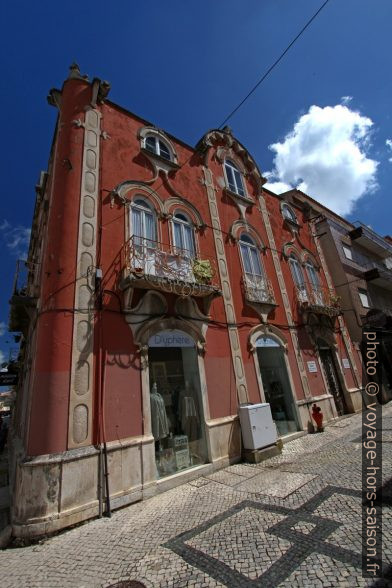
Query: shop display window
{"x": 177, "y": 419}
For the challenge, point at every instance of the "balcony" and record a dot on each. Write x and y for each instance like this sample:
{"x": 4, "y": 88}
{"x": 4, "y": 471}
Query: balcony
{"x": 258, "y": 289}
{"x": 379, "y": 275}
{"x": 259, "y": 294}
{"x": 152, "y": 265}
{"x": 23, "y": 303}
{"x": 368, "y": 239}
{"x": 321, "y": 301}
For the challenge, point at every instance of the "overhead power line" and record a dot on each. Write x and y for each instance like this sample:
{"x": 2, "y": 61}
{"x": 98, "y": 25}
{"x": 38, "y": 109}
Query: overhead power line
{"x": 269, "y": 70}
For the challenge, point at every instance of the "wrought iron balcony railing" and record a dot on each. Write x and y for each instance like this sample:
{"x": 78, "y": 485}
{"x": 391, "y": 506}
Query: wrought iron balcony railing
{"x": 258, "y": 289}
{"x": 151, "y": 264}
{"x": 24, "y": 298}
{"x": 318, "y": 300}
{"x": 369, "y": 239}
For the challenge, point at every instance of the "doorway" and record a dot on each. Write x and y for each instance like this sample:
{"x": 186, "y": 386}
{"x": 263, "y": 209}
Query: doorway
{"x": 177, "y": 417}
{"x": 332, "y": 379}
{"x": 276, "y": 384}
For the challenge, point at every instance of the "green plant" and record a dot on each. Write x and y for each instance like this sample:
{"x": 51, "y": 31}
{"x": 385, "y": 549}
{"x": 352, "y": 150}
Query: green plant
{"x": 335, "y": 299}
{"x": 202, "y": 270}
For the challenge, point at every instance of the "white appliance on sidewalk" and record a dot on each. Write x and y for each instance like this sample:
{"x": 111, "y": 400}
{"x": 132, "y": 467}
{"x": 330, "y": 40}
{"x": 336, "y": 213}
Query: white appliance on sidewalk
{"x": 257, "y": 426}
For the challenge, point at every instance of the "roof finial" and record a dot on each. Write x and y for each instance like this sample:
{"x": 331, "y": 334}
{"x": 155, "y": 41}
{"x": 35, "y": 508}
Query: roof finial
{"x": 74, "y": 72}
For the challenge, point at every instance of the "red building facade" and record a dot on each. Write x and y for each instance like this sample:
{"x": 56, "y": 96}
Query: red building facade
{"x": 166, "y": 287}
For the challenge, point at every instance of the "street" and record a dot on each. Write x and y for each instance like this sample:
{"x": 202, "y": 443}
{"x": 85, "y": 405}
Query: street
{"x": 294, "y": 520}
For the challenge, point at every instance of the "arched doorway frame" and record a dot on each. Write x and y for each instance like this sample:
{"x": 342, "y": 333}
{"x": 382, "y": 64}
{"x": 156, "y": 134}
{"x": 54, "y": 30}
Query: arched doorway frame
{"x": 271, "y": 332}
{"x": 331, "y": 345}
{"x": 153, "y": 327}
{"x": 319, "y": 333}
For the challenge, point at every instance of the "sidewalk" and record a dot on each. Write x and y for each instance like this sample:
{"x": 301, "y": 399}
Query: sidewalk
{"x": 294, "y": 520}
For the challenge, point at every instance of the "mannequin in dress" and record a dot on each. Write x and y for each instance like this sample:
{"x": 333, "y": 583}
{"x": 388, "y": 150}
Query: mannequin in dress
{"x": 188, "y": 412}
{"x": 159, "y": 421}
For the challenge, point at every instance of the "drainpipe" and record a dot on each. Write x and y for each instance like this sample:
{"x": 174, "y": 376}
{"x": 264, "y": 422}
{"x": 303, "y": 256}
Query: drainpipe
{"x": 105, "y": 452}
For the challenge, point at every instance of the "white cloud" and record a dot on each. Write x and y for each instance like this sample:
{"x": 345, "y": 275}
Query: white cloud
{"x": 3, "y": 328}
{"x": 16, "y": 238}
{"x": 325, "y": 156}
{"x": 346, "y": 100}
{"x": 2, "y": 360}
{"x": 388, "y": 143}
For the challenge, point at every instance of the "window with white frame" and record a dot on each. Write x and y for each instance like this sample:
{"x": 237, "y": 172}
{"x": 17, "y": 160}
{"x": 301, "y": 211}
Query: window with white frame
{"x": 250, "y": 258}
{"x": 143, "y": 224}
{"x": 312, "y": 275}
{"x": 348, "y": 252}
{"x": 156, "y": 145}
{"x": 363, "y": 295}
{"x": 183, "y": 235}
{"x": 314, "y": 282}
{"x": 298, "y": 277}
{"x": 288, "y": 213}
{"x": 234, "y": 178}
{"x": 256, "y": 285}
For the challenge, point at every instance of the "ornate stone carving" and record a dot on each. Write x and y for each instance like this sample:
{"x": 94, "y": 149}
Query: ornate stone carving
{"x": 80, "y": 405}
{"x": 216, "y": 138}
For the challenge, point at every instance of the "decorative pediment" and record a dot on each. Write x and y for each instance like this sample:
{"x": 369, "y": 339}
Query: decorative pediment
{"x": 228, "y": 146}
{"x": 125, "y": 191}
{"x": 240, "y": 226}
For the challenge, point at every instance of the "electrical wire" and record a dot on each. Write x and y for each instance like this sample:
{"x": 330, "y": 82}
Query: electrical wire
{"x": 272, "y": 67}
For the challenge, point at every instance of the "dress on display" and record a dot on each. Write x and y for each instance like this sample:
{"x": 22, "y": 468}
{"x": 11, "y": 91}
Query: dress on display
{"x": 159, "y": 421}
{"x": 188, "y": 415}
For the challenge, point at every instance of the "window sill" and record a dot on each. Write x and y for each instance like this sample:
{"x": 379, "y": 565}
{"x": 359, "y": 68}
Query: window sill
{"x": 162, "y": 161}
{"x": 291, "y": 224}
{"x": 243, "y": 199}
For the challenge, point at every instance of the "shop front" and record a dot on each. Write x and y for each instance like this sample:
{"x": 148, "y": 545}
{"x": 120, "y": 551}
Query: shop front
{"x": 177, "y": 416}
{"x": 276, "y": 384}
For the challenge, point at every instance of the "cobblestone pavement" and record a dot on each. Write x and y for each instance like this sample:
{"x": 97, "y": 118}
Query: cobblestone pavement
{"x": 294, "y": 520}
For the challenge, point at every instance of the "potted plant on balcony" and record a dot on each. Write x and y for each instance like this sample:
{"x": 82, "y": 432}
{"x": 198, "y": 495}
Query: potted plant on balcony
{"x": 202, "y": 270}
{"x": 335, "y": 300}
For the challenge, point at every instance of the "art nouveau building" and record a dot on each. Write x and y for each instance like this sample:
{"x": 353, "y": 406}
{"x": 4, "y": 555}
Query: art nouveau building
{"x": 165, "y": 288}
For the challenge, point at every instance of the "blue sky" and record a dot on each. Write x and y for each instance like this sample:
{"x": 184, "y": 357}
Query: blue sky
{"x": 184, "y": 65}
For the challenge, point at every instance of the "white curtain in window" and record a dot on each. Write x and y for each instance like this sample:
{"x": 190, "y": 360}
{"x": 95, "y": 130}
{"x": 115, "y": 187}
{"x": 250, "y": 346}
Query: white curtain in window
{"x": 137, "y": 226}
{"x": 256, "y": 264}
{"x": 149, "y": 228}
{"x": 246, "y": 258}
{"x": 188, "y": 240}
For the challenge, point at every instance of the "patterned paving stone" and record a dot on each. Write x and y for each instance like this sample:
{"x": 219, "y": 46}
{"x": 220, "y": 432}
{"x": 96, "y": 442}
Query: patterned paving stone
{"x": 294, "y": 520}
{"x": 324, "y": 571}
{"x": 226, "y": 478}
{"x": 245, "y": 470}
{"x": 242, "y": 542}
{"x": 304, "y": 527}
{"x": 275, "y": 483}
{"x": 199, "y": 482}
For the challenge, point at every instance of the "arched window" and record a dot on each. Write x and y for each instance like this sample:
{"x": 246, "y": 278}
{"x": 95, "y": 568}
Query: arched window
{"x": 298, "y": 277}
{"x": 312, "y": 275}
{"x": 314, "y": 282}
{"x": 288, "y": 213}
{"x": 154, "y": 144}
{"x": 234, "y": 178}
{"x": 256, "y": 286}
{"x": 183, "y": 235}
{"x": 143, "y": 224}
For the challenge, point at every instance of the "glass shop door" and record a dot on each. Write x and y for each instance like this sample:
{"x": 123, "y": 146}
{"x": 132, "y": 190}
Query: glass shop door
{"x": 276, "y": 385}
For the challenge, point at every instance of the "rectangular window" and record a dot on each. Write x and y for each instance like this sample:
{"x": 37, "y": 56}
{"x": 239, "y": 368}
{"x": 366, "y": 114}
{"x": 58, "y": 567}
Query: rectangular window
{"x": 347, "y": 251}
{"x": 364, "y": 298}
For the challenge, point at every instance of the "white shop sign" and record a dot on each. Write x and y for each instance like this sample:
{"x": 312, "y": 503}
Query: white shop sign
{"x": 266, "y": 342}
{"x": 346, "y": 363}
{"x": 312, "y": 366}
{"x": 172, "y": 338}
